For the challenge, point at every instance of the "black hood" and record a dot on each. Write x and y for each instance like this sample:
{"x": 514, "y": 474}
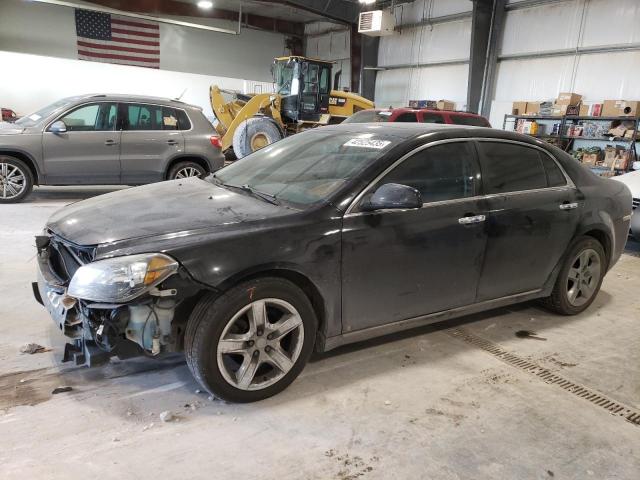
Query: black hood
{"x": 158, "y": 209}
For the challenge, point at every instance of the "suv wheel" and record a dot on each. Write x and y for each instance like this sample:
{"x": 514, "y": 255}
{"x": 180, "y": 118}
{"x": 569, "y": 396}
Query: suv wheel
{"x": 580, "y": 278}
{"x": 251, "y": 342}
{"x": 16, "y": 180}
{"x": 187, "y": 169}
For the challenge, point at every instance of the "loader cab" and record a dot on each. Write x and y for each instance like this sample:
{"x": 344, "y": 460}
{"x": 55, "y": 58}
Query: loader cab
{"x": 304, "y": 85}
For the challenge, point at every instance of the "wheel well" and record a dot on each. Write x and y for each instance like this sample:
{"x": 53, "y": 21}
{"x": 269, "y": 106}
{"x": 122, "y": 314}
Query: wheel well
{"x": 27, "y": 160}
{"x": 604, "y": 240}
{"x": 200, "y": 161}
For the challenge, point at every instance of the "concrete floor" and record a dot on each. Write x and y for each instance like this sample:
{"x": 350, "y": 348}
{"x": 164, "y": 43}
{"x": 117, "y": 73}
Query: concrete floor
{"x": 424, "y": 404}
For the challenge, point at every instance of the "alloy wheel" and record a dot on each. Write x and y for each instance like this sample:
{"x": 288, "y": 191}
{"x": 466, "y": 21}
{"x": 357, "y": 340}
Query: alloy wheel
{"x": 12, "y": 181}
{"x": 260, "y": 344}
{"x": 187, "y": 172}
{"x": 583, "y": 277}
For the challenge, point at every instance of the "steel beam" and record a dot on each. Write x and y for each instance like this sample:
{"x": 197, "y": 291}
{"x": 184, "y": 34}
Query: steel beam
{"x": 443, "y": 63}
{"x": 344, "y": 11}
{"x": 565, "y": 52}
{"x": 480, "y": 44}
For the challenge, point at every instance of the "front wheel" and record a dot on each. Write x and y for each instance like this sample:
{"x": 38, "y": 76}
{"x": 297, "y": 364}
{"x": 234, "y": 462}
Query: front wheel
{"x": 253, "y": 134}
{"x": 580, "y": 277}
{"x": 251, "y": 342}
{"x": 16, "y": 180}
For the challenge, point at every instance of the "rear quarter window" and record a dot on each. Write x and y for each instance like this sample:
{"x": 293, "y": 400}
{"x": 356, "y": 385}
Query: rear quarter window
{"x": 183, "y": 120}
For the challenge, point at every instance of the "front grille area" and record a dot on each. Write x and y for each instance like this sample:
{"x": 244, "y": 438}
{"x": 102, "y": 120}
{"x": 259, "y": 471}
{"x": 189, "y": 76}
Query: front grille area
{"x": 636, "y": 203}
{"x": 66, "y": 257}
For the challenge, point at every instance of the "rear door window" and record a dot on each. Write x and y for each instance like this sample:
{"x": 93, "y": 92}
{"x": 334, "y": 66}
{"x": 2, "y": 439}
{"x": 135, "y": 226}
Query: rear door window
{"x": 508, "y": 167}
{"x": 146, "y": 117}
{"x": 407, "y": 117}
{"x": 469, "y": 120}
{"x": 430, "y": 117}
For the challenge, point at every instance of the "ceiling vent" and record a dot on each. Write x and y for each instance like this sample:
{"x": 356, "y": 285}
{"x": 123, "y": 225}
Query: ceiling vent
{"x": 376, "y": 23}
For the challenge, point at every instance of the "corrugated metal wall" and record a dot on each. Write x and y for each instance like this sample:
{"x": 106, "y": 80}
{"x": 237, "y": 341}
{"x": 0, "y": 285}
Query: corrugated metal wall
{"x": 425, "y": 44}
{"x": 329, "y": 41}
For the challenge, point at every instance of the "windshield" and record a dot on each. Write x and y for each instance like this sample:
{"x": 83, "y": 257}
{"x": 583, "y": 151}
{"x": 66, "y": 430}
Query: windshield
{"x": 308, "y": 167}
{"x": 36, "y": 117}
{"x": 368, "y": 116}
{"x": 284, "y": 75}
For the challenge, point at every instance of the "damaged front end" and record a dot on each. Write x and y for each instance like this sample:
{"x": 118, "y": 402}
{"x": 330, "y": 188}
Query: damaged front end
{"x": 121, "y": 306}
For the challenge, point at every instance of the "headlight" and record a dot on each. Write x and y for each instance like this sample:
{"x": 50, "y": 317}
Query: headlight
{"x": 120, "y": 279}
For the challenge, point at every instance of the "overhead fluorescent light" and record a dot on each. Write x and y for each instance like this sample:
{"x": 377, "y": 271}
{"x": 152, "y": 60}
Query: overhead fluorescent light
{"x": 205, "y": 4}
{"x": 367, "y": 2}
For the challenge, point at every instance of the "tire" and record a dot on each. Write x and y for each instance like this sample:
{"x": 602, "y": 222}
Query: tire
{"x": 563, "y": 298}
{"x": 187, "y": 169}
{"x": 253, "y": 134}
{"x": 220, "y": 342}
{"x": 16, "y": 179}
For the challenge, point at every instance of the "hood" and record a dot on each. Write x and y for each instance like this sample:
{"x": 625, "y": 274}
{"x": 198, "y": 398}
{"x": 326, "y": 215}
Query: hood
{"x": 631, "y": 180}
{"x": 178, "y": 206}
{"x": 7, "y": 128}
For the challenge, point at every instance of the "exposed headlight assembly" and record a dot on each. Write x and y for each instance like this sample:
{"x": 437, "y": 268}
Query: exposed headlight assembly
{"x": 121, "y": 279}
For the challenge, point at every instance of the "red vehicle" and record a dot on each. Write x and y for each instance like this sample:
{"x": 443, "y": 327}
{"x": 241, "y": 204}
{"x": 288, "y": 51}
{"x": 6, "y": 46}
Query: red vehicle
{"x": 8, "y": 115}
{"x": 420, "y": 115}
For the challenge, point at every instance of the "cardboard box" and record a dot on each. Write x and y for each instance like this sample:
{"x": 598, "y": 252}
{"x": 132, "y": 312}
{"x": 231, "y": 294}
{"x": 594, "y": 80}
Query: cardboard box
{"x": 610, "y": 155}
{"x": 519, "y": 108}
{"x": 446, "y": 105}
{"x": 595, "y": 109}
{"x": 591, "y": 158}
{"x": 620, "y": 108}
{"x": 568, "y": 99}
{"x": 618, "y": 131}
{"x": 533, "y": 108}
{"x": 559, "y": 110}
{"x": 584, "y": 110}
{"x": 623, "y": 159}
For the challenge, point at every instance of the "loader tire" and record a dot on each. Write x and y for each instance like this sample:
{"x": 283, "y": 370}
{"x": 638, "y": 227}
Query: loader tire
{"x": 254, "y": 134}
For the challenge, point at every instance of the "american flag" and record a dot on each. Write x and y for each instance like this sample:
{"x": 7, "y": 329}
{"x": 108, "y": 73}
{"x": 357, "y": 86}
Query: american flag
{"x": 103, "y": 37}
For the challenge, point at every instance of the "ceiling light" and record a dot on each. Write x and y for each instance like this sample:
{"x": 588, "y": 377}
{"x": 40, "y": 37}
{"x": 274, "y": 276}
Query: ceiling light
{"x": 367, "y": 2}
{"x": 205, "y": 4}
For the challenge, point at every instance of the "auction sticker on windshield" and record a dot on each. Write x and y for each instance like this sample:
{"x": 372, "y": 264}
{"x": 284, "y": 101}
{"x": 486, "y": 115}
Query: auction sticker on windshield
{"x": 367, "y": 143}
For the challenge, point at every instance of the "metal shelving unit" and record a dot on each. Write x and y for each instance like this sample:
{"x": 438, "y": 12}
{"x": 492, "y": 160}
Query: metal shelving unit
{"x": 570, "y": 139}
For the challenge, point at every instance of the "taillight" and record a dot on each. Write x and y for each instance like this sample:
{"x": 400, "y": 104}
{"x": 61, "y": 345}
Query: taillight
{"x": 216, "y": 142}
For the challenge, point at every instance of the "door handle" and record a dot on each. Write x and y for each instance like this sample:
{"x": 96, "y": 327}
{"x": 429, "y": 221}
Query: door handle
{"x": 568, "y": 206}
{"x": 471, "y": 220}
{"x": 110, "y": 142}
{"x": 172, "y": 142}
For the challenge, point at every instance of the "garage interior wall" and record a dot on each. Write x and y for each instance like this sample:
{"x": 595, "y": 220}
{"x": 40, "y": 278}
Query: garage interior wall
{"x": 569, "y": 24}
{"x": 330, "y": 41}
{"x": 38, "y": 53}
{"x": 427, "y": 61}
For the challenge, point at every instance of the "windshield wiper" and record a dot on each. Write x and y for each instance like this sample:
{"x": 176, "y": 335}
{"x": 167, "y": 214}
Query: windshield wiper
{"x": 267, "y": 197}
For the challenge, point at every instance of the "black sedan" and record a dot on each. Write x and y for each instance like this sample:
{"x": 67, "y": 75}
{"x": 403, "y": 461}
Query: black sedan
{"x": 332, "y": 236}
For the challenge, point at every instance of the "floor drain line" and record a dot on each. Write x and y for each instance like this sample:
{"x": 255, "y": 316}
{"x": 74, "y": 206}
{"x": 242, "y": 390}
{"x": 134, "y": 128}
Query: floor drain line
{"x": 597, "y": 398}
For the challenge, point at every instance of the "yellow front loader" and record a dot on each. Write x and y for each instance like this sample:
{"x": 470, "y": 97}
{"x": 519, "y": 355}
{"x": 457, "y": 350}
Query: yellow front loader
{"x": 303, "y": 99}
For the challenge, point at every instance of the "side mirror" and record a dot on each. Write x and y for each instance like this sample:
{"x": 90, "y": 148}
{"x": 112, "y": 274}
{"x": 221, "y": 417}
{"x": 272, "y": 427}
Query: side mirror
{"x": 393, "y": 196}
{"x": 58, "y": 127}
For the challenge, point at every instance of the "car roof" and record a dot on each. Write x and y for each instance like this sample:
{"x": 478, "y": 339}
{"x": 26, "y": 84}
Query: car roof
{"x": 427, "y": 110}
{"x": 411, "y": 130}
{"x": 116, "y": 97}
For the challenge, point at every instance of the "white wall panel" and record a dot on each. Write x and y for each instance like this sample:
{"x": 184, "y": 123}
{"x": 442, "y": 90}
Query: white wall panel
{"x": 428, "y": 44}
{"x": 336, "y": 47}
{"x": 548, "y": 27}
{"x": 534, "y": 79}
{"x": 608, "y": 76}
{"x": 610, "y": 22}
{"x": 396, "y": 87}
{"x": 36, "y": 81}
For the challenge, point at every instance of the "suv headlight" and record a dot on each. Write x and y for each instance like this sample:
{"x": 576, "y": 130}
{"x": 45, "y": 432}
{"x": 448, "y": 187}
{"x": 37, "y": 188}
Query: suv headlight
{"x": 120, "y": 279}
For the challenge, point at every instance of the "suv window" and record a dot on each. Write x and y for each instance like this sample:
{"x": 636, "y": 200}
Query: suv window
{"x": 428, "y": 117}
{"x": 507, "y": 167}
{"x": 91, "y": 118}
{"x": 149, "y": 117}
{"x": 407, "y": 117}
{"x": 442, "y": 172}
{"x": 468, "y": 120}
{"x": 183, "y": 120}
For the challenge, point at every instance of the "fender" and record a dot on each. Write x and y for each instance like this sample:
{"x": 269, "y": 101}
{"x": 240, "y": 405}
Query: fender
{"x": 10, "y": 150}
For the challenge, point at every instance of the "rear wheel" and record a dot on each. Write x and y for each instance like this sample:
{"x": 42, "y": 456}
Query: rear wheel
{"x": 251, "y": 342}
{"x": 253, "y": 134}
{"x": 16, "y": 180}
{"x": 187, "y": 169}
{"x": 580, "y": 277}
